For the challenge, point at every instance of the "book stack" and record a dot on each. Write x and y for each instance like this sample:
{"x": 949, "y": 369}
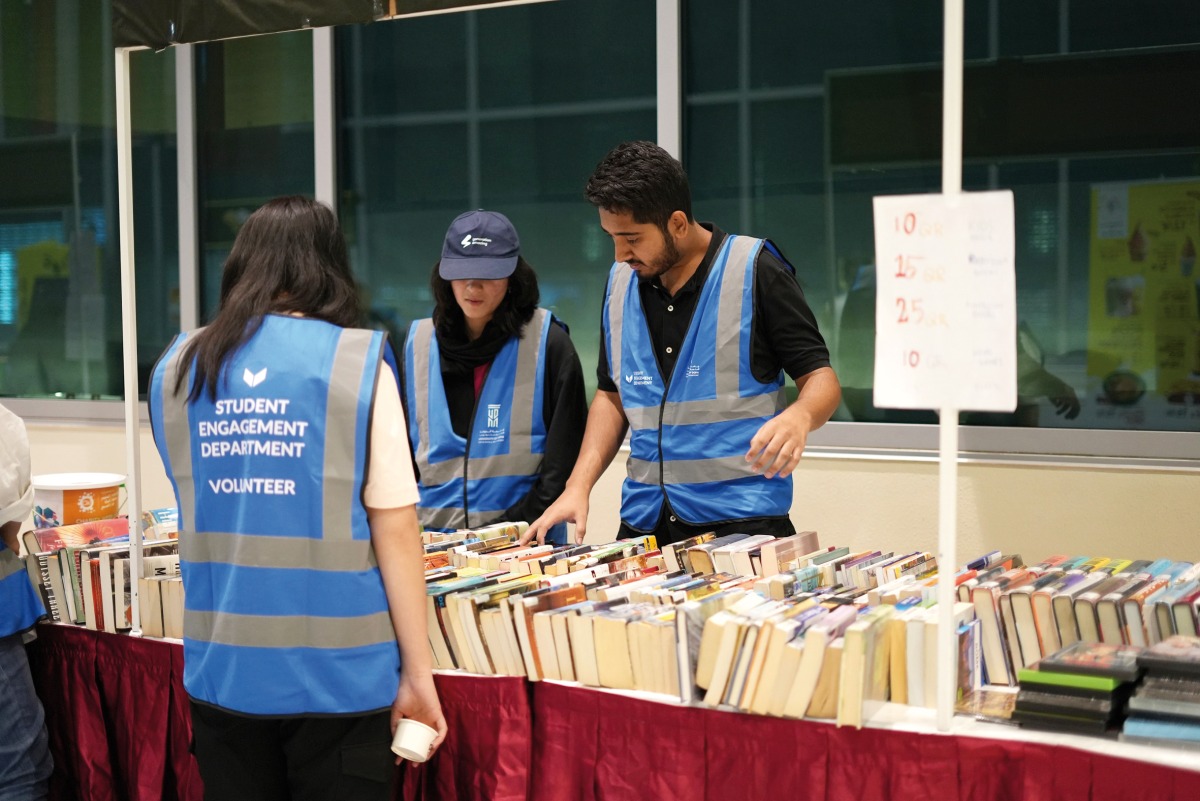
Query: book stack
{"x": 1080, "y": 689}
{"x": 1165, "y": 708}
{"x": 84, "y": 573}
{"x": 834, "y": 634}
{"x": 55, "y": 562}
{"x": 1029, "y": 612}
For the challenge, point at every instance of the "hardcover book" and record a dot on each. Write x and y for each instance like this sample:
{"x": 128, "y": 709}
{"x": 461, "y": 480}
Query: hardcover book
{"x": 986, "y": 598}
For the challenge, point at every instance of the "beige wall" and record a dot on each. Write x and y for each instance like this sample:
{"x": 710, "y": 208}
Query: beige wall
{"x": 1034, "y": 511}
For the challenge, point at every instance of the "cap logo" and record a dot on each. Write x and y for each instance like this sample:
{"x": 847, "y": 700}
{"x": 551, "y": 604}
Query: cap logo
{"x": 469, "y": 240}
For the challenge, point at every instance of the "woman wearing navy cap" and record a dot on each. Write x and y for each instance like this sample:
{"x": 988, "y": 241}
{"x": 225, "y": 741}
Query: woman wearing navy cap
{"x": 493, "y": 387}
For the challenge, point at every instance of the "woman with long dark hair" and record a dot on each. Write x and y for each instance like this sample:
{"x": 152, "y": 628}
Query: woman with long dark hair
{"x": 281, "y": 428}
{"x": 492, "y": 385}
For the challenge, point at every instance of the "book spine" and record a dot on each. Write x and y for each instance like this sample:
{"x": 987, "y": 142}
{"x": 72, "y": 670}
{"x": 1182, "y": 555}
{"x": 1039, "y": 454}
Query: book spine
{"x": 49, "y": 597}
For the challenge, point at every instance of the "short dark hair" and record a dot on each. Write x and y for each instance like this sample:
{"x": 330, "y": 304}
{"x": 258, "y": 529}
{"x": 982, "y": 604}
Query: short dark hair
{"x": 643, "y": 179}
{"x": 288, "y": 257}
{"x": 514, "y": 311}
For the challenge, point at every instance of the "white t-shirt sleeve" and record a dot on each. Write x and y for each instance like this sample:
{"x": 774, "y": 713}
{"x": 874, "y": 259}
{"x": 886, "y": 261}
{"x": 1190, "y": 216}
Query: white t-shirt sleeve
{"x": 391, "y": 482}
{"x": 16, "y": 489}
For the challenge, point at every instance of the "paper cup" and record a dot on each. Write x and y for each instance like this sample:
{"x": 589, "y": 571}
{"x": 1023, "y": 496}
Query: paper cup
{"x": 413, "y": 739}
{"x": 63, "y": 499}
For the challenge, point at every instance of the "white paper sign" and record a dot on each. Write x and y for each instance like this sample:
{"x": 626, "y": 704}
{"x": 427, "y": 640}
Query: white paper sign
{"x": 945, "y": 312}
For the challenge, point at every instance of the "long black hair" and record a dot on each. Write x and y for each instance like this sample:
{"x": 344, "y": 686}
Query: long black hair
{"x": 642, "y": 179}
{"x": 514, "y": 311}
{"x": 289, "y": 257}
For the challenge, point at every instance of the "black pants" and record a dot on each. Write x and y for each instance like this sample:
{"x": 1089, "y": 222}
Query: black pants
{"x": 293, "y": 759}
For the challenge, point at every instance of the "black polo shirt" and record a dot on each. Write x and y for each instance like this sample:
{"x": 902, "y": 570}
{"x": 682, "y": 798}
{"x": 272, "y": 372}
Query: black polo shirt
{"x": 784, "y": 337}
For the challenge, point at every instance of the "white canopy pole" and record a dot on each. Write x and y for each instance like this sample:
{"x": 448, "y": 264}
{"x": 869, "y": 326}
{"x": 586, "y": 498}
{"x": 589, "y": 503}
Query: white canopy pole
{"x": 129, "y": 340}
{"x": 947, "y": 660}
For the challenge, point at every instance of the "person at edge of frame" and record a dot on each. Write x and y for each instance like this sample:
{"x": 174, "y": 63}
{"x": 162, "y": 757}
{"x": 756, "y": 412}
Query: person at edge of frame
{"x": 25, "y": 760}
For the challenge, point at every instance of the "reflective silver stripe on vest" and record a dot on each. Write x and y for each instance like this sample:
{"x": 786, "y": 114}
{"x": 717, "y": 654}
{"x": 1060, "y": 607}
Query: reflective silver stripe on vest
{"x": 256, "y": 550}
{"x": 422, "y": 339}
{"x": 529, "y": 353}
{"x": 287, "y": 631}
{"x": 511, "y": 464}
{"x": 10, "y": 563}
{"x": 711, "y": 411}
{"x": 616, "y": 315}
{"x": 349, "y": 362}
{"x": 520, "y": 461}
{"x": 692, "y": 471}
{"x": 453, "y": 519}
{"x": 727, "y": 350}
{"x": 175, "y": 429}
{"x": 641, "y": 417}
{"x": 436, "y": 517}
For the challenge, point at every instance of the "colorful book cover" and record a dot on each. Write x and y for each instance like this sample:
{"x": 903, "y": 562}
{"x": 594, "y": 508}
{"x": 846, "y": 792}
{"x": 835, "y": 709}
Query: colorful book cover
{"x": 77, "y": 534}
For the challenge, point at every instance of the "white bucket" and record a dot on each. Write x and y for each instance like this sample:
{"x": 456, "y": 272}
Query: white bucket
{"x": 63, "y": 499}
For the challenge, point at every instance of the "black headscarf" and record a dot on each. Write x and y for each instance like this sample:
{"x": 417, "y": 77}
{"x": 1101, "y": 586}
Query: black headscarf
{"x": 460, "y": 355}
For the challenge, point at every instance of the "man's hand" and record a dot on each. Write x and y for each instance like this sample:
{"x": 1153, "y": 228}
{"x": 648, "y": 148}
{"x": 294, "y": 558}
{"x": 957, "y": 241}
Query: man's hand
{"x": 571, "y": 506}
{"x": 417, "y": 699}
{"x": 9, "y": 532}
{"x": 776, "y": 448}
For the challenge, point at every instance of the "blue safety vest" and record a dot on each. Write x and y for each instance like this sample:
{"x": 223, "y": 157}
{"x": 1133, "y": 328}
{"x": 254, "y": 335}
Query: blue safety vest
{"x": 285, "y": 609}
{"x": 470, "y": 481}
{"x": 20, "y": 604}
{"x": 689, "y": 435}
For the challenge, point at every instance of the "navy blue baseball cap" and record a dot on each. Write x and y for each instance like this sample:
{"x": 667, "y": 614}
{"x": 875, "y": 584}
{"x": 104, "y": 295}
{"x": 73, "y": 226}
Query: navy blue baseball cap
{"x": 479, "y": 244}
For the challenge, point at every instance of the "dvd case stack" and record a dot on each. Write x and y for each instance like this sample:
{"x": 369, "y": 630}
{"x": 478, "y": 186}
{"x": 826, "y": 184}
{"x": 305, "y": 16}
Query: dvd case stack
{"x": 1165, "y": 708}
{"x": 1081, "y": 689}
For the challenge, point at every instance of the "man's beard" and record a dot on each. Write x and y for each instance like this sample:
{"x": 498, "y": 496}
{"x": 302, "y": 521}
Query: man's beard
{"x": 668, "y": 258}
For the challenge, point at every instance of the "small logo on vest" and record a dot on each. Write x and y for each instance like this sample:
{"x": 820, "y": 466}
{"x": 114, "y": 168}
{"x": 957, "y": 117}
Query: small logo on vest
{"x": 492, "y": 432}
{"x": 254, "y": 379}
{"x": 639, "y": 379}
{"x": 693, "y": 371}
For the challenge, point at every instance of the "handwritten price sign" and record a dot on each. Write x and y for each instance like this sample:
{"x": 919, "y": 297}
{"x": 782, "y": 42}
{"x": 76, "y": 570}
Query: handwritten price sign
{"x": 945, "y": 312}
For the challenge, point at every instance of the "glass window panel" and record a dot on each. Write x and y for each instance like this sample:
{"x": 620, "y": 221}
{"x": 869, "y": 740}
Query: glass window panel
{"x": 155, "y": 205}
{"x": 710, "y": 60}
{"x": 525, "y": 146}
{"x": 1028, "y": 29}
{"x": 254, "y": 119}
{"x": 403, "y": 53}
{"x": 1113, "y": 24}
{"x": 565, "y": 52}
{"x": 714, "y": 172}
{"x": 1124, "y": 347}
{"x": 794, "y": 44}
{"x": 60, "y": 319}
